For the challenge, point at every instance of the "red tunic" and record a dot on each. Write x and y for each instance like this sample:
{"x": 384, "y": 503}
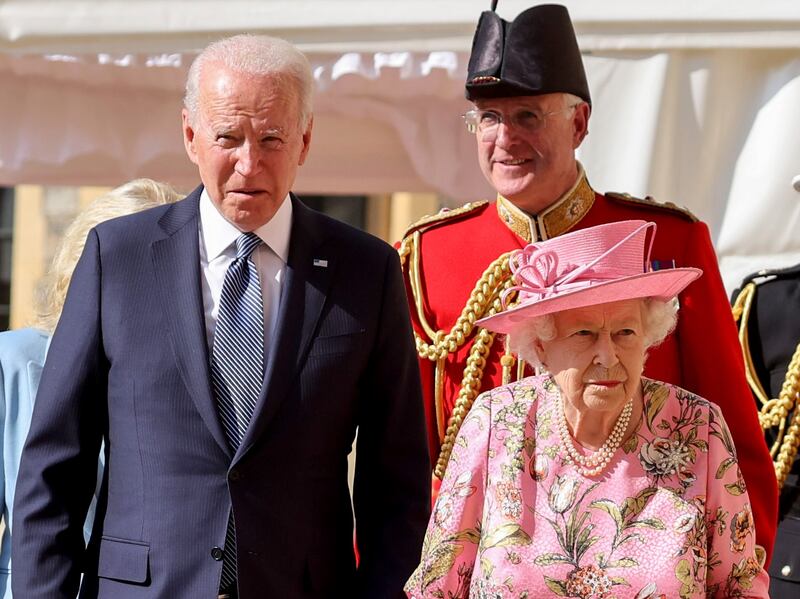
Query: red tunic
{"x": 702, "y": 355}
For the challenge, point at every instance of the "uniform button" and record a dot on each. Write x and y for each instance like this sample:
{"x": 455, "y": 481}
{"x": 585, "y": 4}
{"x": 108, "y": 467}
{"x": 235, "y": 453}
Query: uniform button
{"x": 234, "y": 475}
{"x": 786, "y": 570}
{"x": 217, "y": 554}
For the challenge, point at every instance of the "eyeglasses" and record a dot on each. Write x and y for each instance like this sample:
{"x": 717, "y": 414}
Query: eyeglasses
{"x": 486, "y": 122}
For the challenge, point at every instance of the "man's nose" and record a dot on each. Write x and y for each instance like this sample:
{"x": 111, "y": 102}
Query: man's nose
{"x": 248, "y": 160}
{"x": 605, "y": 351}
{"x": 505, "y": 134}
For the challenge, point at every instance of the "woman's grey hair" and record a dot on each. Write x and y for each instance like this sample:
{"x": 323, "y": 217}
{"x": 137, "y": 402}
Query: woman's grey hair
{"x": 254, "y": 55}
{"x": 659, "y": 318}
{"x": 134, "y": 196}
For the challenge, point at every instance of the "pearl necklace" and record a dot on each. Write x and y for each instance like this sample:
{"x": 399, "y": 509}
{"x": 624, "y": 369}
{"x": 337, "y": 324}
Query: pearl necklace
{"x": 596, "y": 462}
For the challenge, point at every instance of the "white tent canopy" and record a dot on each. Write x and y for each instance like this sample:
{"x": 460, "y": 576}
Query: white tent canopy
{"x": 694, "y": 102}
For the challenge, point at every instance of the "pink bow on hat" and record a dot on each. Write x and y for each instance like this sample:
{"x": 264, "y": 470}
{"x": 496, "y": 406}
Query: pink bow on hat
{"x": 535, "y": 269}
{"x": 596, "y": 265}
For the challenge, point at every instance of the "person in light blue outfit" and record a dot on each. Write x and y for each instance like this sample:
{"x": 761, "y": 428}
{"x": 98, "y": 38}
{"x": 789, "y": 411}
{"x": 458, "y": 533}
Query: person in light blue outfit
{"x": 23, "y": 351}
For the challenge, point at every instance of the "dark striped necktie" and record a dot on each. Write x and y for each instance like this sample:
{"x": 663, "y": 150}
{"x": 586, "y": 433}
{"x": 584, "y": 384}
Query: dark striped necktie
{"x": 237, "y": 363}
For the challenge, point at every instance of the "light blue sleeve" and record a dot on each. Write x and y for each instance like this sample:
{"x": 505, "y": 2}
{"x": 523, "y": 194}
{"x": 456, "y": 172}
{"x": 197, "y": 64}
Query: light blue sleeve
{"x": 5, "y": 542}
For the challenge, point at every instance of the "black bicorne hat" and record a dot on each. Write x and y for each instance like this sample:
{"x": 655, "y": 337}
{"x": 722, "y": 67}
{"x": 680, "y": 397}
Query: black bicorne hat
{"x": 534, "y": 54}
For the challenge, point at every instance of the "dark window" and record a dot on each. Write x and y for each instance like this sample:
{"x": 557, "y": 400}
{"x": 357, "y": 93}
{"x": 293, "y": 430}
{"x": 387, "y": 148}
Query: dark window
{"x": 6, "y": 229}
{"x": 348, "y": 209}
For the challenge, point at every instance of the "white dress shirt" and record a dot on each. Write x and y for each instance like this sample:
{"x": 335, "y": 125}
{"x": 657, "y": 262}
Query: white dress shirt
{"x": 218, "y": 250}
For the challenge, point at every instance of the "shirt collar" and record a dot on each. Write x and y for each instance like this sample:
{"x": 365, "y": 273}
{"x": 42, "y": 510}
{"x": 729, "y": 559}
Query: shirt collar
{"x": 218, "y": 234}
{"x": 558, "y": 218}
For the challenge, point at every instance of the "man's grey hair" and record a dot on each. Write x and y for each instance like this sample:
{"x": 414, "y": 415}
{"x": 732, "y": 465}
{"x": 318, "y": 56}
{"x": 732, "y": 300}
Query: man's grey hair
{"x": 254, "y": 55}
{"x": 659, "y": 318}
{"x": 571, "y": 100}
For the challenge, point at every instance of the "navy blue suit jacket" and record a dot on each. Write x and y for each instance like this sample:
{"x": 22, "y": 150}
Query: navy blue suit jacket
{"x": 129, "y": 364}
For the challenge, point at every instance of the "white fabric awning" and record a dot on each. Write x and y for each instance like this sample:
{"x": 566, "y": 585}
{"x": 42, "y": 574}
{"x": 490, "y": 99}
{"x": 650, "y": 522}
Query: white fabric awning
{"x": 340, "y": 26}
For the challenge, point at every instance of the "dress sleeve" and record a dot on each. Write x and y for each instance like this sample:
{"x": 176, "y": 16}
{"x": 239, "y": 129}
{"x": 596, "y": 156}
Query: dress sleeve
{"x": 733, "y": 567}
{"x": 451, "y": 542}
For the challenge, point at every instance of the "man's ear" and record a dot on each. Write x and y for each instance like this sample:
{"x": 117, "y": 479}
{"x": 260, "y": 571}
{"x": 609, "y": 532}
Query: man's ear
{"x": 580, "y": 123}
{"x": 306, "y": 141}
{"x": 188, "y": 136}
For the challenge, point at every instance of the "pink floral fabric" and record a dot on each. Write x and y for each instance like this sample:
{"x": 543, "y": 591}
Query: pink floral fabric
{"x": 669, "y": 517}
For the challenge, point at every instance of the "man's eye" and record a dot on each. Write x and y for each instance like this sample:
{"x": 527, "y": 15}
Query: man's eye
{"x": 583, "y": 333}
{"x": 626, "y": 332}
{"x": 489, "y": 118}
{"x": 272, "y": 141}
{"x": 528, "y": 118}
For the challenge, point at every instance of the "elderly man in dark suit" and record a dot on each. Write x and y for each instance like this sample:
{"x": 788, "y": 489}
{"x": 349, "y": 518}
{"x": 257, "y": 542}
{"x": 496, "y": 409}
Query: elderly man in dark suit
{"x": 227, "y": 348}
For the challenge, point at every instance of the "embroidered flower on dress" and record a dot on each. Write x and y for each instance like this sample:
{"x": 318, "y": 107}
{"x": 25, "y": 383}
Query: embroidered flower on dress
{"x": 742, "y": 524}
{"x": 590, "y": 582}
{"x": 650, "y": 591}
{"x": 562, "y": 494}
{"x": 663, "y": 458}
{"x": 742, "y": 575}
{"x": 718, "y": 522}
{"x": 509, "y": 498}
{"x": 696, "y": 542}
{"x": 445, "y": 504}
{"x": 684, "y": 523}
{"x": 443, "y": 510}
{"x": 487, "y": 590}
{"x": 539, "y": 467}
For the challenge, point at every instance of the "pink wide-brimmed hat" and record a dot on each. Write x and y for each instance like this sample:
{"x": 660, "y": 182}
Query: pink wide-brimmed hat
{"x": 598, "y": 265}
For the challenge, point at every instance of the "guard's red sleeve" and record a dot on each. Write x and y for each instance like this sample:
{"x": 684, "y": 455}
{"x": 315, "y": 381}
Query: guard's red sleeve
{"x": 712, "y": 367}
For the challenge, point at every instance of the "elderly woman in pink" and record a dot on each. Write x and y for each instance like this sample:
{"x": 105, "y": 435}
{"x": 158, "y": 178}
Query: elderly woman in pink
{"x": 590, "y": 480}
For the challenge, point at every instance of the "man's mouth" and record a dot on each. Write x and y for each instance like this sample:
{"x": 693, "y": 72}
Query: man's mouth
{"x": 513, "y": 162}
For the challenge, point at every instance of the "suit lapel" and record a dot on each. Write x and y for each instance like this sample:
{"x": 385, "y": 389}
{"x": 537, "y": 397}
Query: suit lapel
{"x": 302, "y": 299}
{"x": 176, "y": 259}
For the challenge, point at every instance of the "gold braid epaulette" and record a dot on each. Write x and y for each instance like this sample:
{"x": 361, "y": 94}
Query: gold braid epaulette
{"x": 446, "y": 214}
{"x": 773, "y": 412}
{"x": 483, "y": 301}
{"x": 650, "y": 203}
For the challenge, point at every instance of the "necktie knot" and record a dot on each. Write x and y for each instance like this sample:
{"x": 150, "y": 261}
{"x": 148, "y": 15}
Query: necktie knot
{"x": 246, "y": 244}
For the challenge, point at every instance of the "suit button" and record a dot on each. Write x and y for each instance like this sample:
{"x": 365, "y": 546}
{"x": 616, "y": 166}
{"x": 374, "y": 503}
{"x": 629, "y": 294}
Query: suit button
{"x": 217, "y": 554}
{"x": 234, "y": 475}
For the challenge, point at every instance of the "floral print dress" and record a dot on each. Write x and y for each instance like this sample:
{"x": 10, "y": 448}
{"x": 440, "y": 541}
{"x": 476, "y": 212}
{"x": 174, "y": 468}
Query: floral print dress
{"x": 668, "y": 518}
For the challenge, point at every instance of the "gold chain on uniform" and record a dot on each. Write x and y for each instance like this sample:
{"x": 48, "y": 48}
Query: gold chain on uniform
{"x": 774, "y": 412}
{"x": 483, "y": 301}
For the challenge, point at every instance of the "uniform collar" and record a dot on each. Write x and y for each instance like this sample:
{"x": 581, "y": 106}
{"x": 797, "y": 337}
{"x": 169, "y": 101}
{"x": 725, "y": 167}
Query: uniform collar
{"x": 218, "y": 234}
{"x": 556, "y": 219}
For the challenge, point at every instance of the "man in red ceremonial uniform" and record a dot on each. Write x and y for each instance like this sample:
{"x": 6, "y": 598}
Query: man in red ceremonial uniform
{"x": 532, "y": 108}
